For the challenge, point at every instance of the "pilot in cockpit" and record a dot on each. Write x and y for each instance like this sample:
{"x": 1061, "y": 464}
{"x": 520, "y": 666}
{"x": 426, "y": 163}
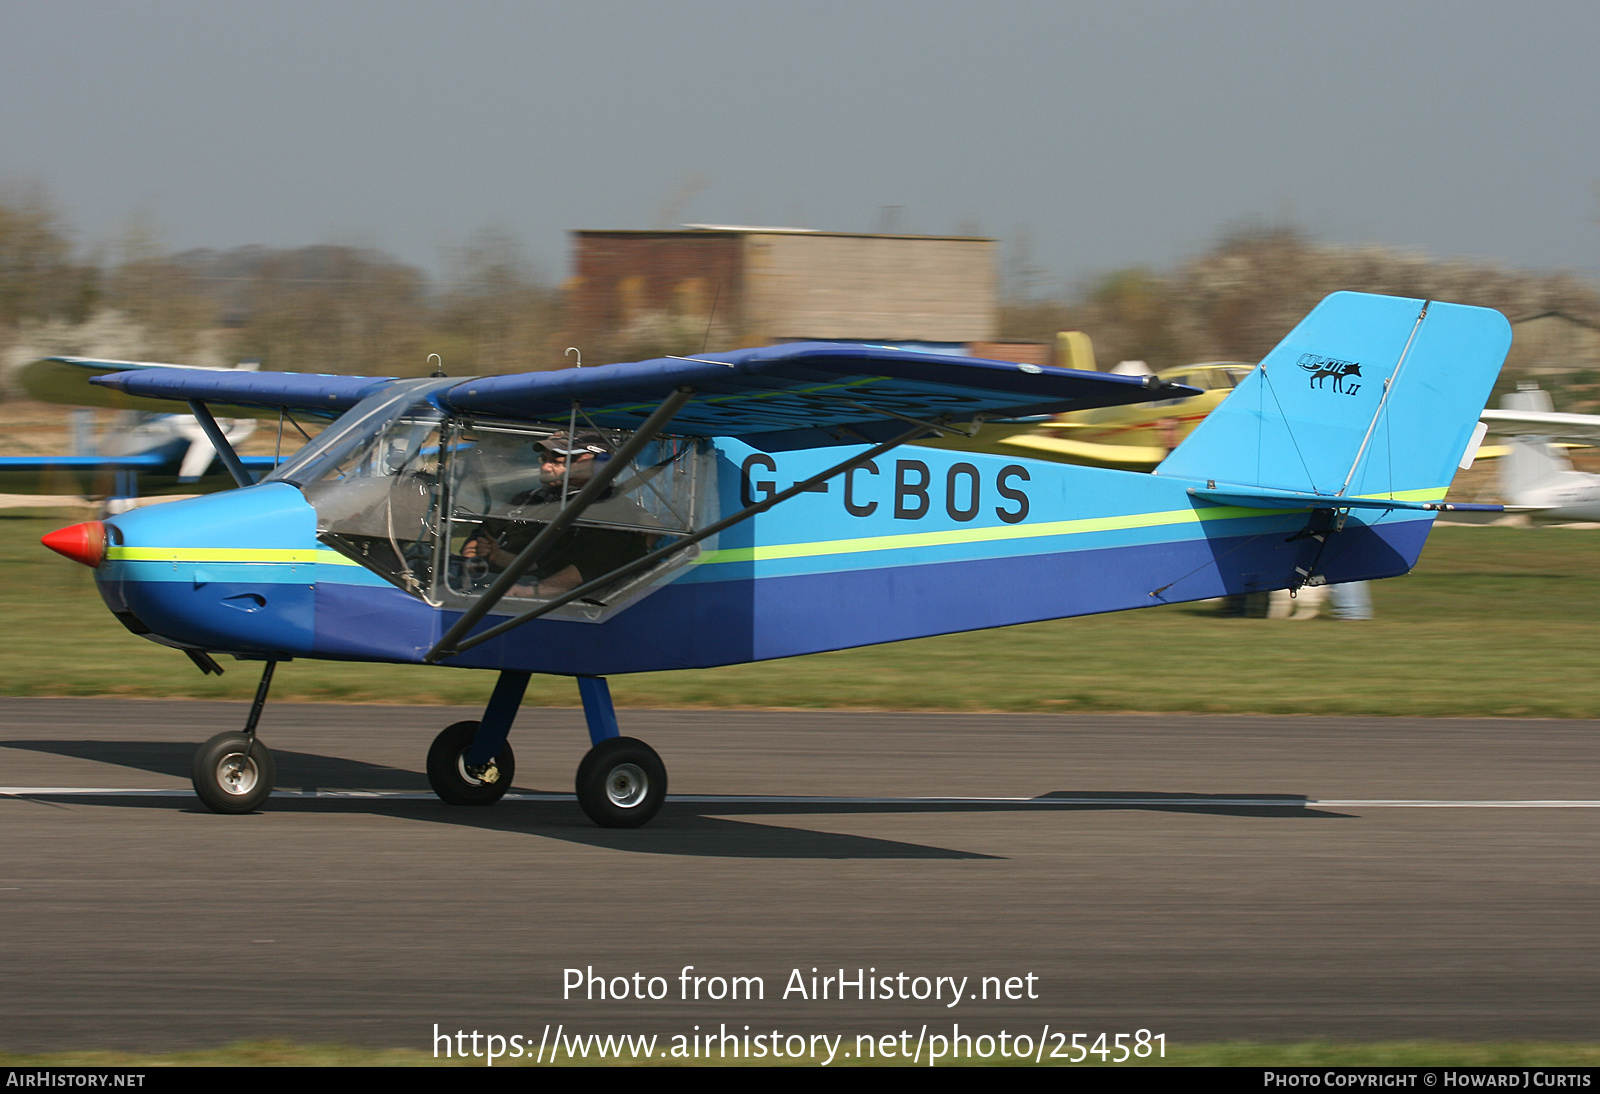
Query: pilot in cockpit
{"x": 583, "y": 553}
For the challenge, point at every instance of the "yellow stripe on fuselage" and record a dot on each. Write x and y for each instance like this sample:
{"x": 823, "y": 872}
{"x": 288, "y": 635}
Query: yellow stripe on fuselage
{"x": 791, "y": 550}
{"x": 1017, "y": 531}
{"x": 226, "y": 554}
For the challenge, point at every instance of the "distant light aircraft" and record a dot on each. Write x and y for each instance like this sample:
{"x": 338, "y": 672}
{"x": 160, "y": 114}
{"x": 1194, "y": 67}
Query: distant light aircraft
{"x": 1535, "y": 476}
{"x": 1134, "y": 437}
{"x": 749, "y": 510}
{"x": 148, "y": 451}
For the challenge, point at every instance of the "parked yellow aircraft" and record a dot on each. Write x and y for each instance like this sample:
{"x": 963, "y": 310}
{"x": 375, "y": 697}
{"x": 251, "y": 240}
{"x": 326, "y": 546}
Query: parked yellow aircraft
{"x": 1134, "y": 437}
{"x": 1140, "y": 437}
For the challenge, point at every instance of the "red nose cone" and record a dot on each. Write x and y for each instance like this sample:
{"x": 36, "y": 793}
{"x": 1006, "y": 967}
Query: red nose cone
{"x": 85, "y": 543}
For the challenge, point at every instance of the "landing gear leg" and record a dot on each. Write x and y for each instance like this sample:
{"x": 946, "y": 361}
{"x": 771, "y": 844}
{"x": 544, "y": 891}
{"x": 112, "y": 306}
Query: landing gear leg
{"x": 233, "y": 772}
{"x": 622, "y": 783}
{"x": 471, "y": 763}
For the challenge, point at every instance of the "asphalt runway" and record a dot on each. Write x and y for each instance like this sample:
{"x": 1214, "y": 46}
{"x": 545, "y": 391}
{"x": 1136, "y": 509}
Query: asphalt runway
{"x": 1206, "y": 878}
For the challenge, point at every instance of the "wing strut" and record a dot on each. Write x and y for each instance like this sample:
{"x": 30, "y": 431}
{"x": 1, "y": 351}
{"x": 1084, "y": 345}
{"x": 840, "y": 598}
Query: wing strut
{"x": 219, "y": 441}
{"x": 450, "y": 646}
{"x": 592, "y": 491}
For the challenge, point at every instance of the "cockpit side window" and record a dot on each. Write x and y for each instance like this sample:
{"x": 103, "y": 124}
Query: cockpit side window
{"x": 507, "y": 483}
{"x": 440, "y": 506}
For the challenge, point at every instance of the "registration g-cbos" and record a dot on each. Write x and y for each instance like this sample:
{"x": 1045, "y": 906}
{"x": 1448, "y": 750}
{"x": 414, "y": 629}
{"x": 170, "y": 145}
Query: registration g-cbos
{"x": 962, "y": 491}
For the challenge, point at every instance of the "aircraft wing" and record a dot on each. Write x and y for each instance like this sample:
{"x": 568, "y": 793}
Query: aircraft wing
{"x": 798, "y": 395}
{"x": 63, "y": 380}
{"x": 71, "y": 474}
{"x": 1137, "y": 457}
{"x": 231, "y": 393}
{"x": 158, "y": 471}
{"x": 1580, "y": 428}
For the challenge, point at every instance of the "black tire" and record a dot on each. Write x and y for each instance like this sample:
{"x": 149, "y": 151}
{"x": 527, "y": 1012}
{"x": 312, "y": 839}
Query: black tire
{"x": 447, "y": 768}
{"x": 233, "y": 773}
{"x": 621, "y": 783}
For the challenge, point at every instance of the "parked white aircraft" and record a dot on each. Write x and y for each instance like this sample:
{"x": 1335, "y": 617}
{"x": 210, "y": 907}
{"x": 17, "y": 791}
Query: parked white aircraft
{"x": 145, "y": 449}
{"x": 1536, "y": 477}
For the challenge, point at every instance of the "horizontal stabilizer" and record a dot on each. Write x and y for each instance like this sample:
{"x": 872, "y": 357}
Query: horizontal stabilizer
{"x": 1248, "y": 498}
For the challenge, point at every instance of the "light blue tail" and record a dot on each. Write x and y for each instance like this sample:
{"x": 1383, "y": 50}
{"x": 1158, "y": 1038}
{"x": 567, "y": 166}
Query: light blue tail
{"x": 1370, "y": 396}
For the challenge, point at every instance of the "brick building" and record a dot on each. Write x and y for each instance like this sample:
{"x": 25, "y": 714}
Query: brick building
{"x": 637, "y": 293}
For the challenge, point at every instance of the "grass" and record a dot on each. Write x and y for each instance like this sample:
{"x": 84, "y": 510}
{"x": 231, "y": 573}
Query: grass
{"x": 1494, "y": 622}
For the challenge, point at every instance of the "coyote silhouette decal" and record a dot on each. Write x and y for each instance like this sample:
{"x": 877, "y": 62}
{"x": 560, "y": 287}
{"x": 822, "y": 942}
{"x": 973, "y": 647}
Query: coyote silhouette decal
{"x": 1323, "y": 367}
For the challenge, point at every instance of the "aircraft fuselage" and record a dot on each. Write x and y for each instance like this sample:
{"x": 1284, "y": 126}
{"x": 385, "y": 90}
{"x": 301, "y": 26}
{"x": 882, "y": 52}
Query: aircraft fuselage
{"x": 918, "y": 543}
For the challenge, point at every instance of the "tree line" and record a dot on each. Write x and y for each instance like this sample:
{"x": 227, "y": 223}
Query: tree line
{"x": 346, "y": 309}
{"x": 326, "y": 308}
{"x": 1238, "y": 299}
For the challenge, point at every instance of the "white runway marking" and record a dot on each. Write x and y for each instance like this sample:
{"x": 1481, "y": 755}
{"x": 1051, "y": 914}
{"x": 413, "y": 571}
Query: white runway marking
{"x": 1059, "y": 802}
{"x": 1406, "y": 803}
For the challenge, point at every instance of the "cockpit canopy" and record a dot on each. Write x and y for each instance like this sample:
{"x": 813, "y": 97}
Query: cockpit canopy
{"x": 437, "y": 504}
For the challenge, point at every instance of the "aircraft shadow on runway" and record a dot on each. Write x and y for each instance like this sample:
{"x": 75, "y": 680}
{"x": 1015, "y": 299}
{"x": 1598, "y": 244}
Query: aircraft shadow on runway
{"x": 710, "y": 829}
{"x": 177, "y": 758}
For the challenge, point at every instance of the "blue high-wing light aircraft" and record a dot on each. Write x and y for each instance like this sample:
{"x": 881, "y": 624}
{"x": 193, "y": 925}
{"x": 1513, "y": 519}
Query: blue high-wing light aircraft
{"x": 751, "y": 505}
{"x": 156, "y": 452}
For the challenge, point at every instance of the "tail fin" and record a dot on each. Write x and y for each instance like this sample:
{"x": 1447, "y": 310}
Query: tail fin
{"x": 1369, "y": 395}
{"x": 1531, "y": 467}
{"x": 1527, "y": 397}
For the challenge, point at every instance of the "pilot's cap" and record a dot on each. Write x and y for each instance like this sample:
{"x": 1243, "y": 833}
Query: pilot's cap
{"x": 590, "y": 441}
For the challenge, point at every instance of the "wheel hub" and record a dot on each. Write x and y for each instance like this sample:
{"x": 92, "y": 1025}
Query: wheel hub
{"x": 237, "y": 774}
{"x": 476, "y": 776}
{"x": 627, "y": 785}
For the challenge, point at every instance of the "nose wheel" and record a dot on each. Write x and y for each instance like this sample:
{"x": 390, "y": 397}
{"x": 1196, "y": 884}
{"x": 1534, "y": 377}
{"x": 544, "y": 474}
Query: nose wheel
{"x": 621, "y": 783}
{"x": 460, "y": 783}
{"x": 233, "y": 773}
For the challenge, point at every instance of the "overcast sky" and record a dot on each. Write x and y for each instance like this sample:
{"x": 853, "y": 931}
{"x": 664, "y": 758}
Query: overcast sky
{"x": 1110, "y": 134}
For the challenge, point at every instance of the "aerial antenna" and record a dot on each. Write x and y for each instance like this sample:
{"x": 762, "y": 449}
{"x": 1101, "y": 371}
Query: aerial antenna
{"x": 438, "y": 369}
{"x": 712, "y": 315}
{"x": 574, "y": 350}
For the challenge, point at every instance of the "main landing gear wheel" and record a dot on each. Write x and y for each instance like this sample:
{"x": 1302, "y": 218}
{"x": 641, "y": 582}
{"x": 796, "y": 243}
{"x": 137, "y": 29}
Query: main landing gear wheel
{"x": 621, "y": 783}
{"x": 450, "y": 778}
{"x": 233, "y": 773}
